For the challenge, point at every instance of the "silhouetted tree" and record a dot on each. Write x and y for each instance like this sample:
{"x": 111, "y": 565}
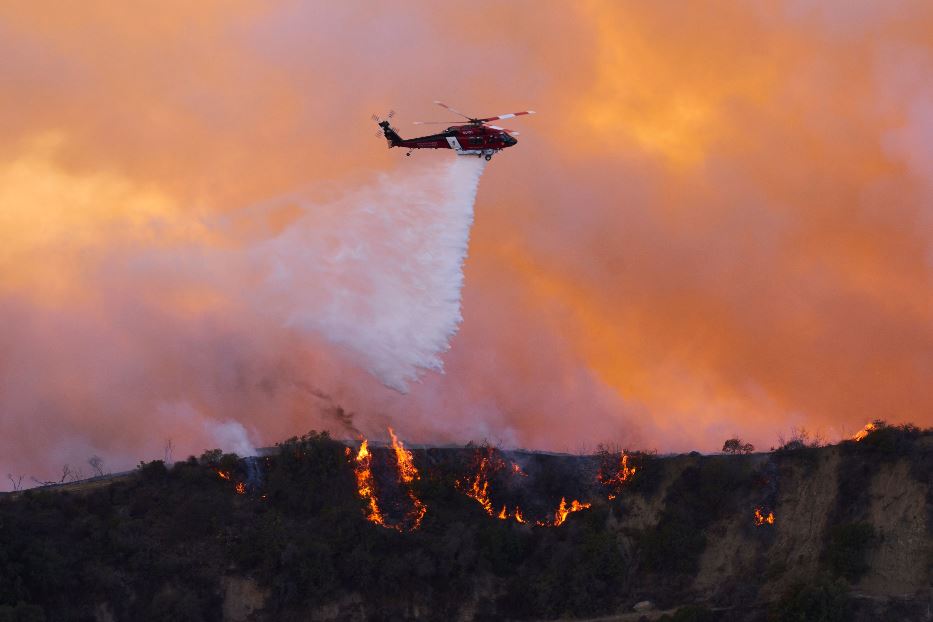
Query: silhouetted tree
{"x": 736, "y": 446}
{"x": 97, "y": 463}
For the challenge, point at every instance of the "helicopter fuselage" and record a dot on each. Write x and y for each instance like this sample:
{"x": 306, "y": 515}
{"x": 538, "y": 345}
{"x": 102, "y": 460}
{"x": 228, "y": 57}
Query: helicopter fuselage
{"x": 471, "y": 139}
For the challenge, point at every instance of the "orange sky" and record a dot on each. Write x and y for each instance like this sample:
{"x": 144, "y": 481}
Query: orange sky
{"x": 720, "y": 220}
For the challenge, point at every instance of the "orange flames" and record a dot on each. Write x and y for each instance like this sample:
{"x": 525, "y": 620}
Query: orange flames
{"x": 477, "y": 487}
{"x": 240, "y": 487}
{"x": 615, "y": 479}
{"x": 563, "y": 511}
{"x": 407, "y": 473}
{"x": 761, "y": 518}
{"x": 868, "y": 429}
{"x": 406, "y": 466}
{"x": 366, "y": 484}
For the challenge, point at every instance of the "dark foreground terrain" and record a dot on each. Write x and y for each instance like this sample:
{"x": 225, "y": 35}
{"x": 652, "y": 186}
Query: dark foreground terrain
{"x": 803, "y": 533}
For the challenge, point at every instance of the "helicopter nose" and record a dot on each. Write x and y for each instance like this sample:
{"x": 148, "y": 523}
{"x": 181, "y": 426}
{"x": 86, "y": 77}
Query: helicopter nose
{"x": 510, "y": 140}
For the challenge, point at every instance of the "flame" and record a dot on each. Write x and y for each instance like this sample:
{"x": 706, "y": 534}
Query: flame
{"x": 478, "y": 487}
{"x": 563, "y": 511}
{"x": 240, "y": 488}
{"x": 761, "y": 519}
{"x": 870, "y": 427}
{"x": 615, "y": 480}
{"x": 407, "y": 473}
{"x": 406, "y": 466}
{"x": 222, "y": 474}
{"x": 366, "y": 484}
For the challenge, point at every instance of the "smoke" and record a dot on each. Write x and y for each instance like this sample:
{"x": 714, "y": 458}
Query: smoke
{"x": 378, "y": 272}
{"x": 214, "y": 340}
{"x": 720, "y": 221}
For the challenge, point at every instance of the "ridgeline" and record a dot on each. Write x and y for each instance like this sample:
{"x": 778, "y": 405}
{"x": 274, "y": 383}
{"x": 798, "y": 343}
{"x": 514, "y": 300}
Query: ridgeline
{"x": 319, "y": 531}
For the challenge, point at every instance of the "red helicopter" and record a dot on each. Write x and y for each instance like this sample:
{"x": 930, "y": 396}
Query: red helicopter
{"x": 474, "y": 138}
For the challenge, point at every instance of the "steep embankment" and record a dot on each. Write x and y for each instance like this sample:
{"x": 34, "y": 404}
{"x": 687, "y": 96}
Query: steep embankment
{"x": 845, "y": 530}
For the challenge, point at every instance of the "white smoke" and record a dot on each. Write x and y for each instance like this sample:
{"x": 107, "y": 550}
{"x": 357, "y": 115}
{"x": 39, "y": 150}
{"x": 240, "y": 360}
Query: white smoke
{"x": 378, "y": 272}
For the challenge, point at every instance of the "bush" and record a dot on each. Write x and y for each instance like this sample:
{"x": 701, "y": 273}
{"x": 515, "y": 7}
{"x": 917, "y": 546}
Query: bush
{"x": 736, "y": 446}
{"x": 847, "y": 549}
{"x": 819, "y": 601}
{"x": 888, "y": 442}
{"x": 22, "y": 612}
{"x": 690, "y": 613}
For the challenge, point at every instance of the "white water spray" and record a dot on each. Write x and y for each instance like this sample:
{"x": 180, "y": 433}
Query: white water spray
{"x": 379, "y": 272}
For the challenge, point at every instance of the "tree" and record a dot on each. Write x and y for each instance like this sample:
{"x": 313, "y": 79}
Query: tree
{"x": 736, "y": 446}
{"x": 97, "y": 463}
{"x": 16, "y": 481}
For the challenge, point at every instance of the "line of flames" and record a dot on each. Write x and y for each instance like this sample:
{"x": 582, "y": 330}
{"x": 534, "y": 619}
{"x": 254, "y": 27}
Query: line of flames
{"x": 407, "y": 474}
{"x": 366, "y": 485}
{"x": 477, "y": 488}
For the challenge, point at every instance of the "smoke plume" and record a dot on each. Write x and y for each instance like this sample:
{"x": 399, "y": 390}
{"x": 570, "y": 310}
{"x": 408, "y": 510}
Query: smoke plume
{"x": 378, "y": 273}
{"x": 206, "y": 338}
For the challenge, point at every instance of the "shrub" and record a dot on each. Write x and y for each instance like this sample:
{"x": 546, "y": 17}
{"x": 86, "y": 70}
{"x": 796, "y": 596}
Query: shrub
{"x": 736, "y": 446}
{"x": 819, "y": 601}
{"x": 847, "y": 549}
{"x": 690, "y": 613}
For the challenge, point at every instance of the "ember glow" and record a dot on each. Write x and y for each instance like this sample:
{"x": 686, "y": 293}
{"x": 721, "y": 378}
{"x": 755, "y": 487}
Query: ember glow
{"x": 761, "y": 518}
{"x": 240, "y": 488}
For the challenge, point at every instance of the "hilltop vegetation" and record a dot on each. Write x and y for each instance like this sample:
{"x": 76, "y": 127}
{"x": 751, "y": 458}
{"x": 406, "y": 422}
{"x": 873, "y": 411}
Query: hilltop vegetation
{"x": 180, "y": 543}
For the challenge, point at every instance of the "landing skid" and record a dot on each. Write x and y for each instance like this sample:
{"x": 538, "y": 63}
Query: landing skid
{"x": 484, "y": 153}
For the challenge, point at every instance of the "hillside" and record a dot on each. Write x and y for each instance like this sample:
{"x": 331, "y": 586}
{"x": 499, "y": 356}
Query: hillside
{"x": 832, "y": 533}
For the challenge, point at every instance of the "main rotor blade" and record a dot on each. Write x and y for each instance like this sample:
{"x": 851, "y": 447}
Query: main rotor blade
{"x": 436, "y": 122}
{"x": 506, "y": 116}
{"x": 503, "y": 129}
{"x": 454, "y": 110}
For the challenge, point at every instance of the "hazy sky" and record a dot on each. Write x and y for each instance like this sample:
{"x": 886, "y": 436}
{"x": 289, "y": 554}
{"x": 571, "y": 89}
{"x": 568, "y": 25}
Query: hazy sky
{"x": 720, "y": 220}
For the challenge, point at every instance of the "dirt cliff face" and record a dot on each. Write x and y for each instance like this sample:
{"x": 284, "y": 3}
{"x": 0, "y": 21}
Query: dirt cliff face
{"x": 845, "y": 528}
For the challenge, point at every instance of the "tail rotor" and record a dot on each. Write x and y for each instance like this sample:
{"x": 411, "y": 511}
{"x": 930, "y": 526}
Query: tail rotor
{"x": 387, "y": 119}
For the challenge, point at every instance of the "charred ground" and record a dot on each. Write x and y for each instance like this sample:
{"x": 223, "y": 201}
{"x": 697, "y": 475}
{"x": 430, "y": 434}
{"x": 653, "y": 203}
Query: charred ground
{"x": 850, "y": 538}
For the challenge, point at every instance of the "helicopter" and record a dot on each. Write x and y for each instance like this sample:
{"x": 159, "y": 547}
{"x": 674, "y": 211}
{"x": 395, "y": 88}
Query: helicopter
{"x": 475, "y": 137}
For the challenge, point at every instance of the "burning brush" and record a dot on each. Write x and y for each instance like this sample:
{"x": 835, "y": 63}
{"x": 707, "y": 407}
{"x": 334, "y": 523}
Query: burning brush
{"x": 614, "y": 473}
{"x": 407, "y": 474}
{"x": 761, "y": 518}
{"x": 486, "y": 464}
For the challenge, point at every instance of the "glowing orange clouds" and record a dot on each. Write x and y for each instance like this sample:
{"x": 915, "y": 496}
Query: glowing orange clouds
{"x": 717, "y": 222}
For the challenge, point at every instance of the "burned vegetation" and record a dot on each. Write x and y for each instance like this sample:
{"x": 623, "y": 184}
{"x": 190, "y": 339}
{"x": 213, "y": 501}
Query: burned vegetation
{"x": 380, "y": 531}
